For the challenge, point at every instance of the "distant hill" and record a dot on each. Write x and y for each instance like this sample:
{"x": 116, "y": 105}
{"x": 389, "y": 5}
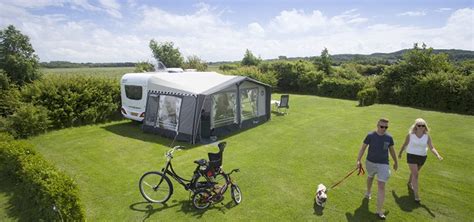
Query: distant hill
{"x": 455, "y": 55}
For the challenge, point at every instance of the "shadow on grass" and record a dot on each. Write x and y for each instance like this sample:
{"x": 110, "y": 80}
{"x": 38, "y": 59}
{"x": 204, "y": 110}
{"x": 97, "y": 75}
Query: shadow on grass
{"x": 362, "y": 213}
{"x": 186, "y": 207}
{"x": 276, "y": 113}
{"x": 408, "y": 204}
{"x": 18, "y": 207}
{"x": 133, "y": 130}
{"x": 318, "y": 210}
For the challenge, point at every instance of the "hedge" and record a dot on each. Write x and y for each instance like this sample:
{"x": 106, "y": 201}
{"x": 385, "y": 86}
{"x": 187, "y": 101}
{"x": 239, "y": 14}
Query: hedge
{"x": 340, "y": 88}
{"x": 75, "y": 100}
{"x": 40, "y": 184}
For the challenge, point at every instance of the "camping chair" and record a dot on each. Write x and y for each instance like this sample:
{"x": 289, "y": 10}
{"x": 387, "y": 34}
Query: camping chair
{"x": 215, "y": 161}
{"x": 284, "y": 100}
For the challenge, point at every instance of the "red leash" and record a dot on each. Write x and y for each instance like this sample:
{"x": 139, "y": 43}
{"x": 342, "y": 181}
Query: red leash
{"x": 361, "y": 171}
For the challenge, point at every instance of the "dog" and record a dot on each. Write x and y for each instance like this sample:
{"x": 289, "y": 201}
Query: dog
{"x": 321, "y": 195}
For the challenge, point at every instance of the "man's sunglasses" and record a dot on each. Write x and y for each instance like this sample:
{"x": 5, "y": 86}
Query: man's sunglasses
{"x": 384, "y": 127}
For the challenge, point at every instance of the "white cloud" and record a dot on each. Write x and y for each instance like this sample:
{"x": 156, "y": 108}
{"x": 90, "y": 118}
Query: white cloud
{"x": 111, "y": 7}
{"x": 256, "y": 30}
{"x": 443, "y": 9}
{"x": 205, "y": 32}
{"x": 412, "y": 13}
{"x": 36, "y": 3}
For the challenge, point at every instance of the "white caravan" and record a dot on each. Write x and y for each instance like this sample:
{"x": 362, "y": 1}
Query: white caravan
{"x": 133, "y": 92}
{"x": 133, "y": 89}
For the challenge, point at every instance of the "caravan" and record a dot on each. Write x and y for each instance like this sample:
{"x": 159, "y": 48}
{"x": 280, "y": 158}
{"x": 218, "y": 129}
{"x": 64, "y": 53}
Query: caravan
{"x": 194, "y": 106}
{"x": 133, "y": 92}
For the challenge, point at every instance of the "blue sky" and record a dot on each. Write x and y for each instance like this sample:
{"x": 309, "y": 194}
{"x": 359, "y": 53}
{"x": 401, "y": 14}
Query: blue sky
{"x": 220, "y": 30}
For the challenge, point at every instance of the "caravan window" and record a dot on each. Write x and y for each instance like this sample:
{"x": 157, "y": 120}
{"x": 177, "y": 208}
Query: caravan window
{"x": 168, "y": 112}
{"x": 223, "y": 109}
{"x": 248, "y": 102}
{"x": 133, "y": 92}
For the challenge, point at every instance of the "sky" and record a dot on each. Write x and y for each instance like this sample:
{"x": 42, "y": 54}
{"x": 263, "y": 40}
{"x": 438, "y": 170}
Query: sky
{"x": 221, "y": 30}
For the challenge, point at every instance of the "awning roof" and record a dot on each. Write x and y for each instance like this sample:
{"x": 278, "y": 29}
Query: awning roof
{"x": 194, "y": 82}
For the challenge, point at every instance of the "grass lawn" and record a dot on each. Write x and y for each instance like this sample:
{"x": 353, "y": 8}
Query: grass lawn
{"x": 281, "y": 163}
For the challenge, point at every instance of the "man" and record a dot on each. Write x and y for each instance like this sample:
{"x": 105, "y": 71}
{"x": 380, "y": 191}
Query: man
{"x": 380, "y": 143}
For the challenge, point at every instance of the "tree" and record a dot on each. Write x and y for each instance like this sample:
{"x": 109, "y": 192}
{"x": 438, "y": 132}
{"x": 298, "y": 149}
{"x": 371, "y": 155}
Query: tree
{"x": 194, "y": 62}
{"x": 166, "y": 53}
{"x": 17, "y": 56}
{"x": 144, "y": 67}
{"x": 324, "y": 62}
{"x": 249, "y": 59}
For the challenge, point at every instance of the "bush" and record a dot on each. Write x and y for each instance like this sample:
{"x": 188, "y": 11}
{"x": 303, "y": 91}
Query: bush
{"x": 144, "y": 67}
{"x": 254, "y": 73}
{"x": 445, "y": 91}
{"x": 75, "y": 100}
{"x": 228, "y": 67}
{"x": 309, "y": 79}
{"x": 40, "y": 184}
{"x": 27, "y": 121}
{"x": 340, "y": 88}
{"x": 367, "y": 96}
{"x": 9, "y": 101}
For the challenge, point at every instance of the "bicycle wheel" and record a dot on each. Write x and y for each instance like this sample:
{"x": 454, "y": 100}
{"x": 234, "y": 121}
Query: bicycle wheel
{"x": 155, "y": 187}
{"x": 236, "y": 194}
{"x": 201, "y": 199}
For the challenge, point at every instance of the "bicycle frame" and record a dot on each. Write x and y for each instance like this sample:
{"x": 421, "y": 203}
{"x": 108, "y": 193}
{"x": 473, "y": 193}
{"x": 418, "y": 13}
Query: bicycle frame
{"x": 228, "y": 181}
{"x": 187, "y": 184}
{"x": 168, "y": 169}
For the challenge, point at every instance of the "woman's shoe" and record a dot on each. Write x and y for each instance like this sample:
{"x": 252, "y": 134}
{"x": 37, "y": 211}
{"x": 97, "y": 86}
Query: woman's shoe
{"x": 417, "y": 200}
{"x": 381, "y": 216}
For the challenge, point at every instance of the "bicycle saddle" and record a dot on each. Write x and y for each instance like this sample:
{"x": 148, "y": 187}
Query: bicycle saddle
{"x": 201, "y": 162}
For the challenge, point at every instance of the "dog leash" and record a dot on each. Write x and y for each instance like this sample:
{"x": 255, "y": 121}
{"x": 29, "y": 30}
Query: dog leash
{"x": 361, "y": 171}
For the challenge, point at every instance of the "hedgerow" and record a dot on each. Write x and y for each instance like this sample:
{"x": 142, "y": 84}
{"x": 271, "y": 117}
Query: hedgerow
{"x": 49, "y": 194}
{"x": 75, "y": 100}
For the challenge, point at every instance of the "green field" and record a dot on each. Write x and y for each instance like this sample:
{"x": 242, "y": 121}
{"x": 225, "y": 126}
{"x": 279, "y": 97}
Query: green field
{"x": 115, "y": 72}
{"x": 281, "y": 163}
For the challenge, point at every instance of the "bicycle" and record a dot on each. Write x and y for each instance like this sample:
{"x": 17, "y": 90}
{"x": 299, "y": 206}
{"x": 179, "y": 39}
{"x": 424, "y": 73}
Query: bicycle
{"x": 204, "y": 197}
{"x": 156, "y": 187}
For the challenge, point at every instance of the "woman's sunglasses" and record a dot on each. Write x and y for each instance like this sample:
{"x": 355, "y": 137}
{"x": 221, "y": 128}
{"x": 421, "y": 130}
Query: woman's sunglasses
{"x": 420, "y": 125}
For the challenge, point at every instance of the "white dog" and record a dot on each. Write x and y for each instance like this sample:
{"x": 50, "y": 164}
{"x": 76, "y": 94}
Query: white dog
{"x": 321, "y": 195}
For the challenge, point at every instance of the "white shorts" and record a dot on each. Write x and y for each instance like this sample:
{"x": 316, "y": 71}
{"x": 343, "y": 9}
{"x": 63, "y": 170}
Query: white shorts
{"x": 382, "y": 170}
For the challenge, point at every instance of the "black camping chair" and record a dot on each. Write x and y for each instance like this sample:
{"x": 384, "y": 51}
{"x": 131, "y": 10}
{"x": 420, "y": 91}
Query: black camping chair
{"x": 284, "y": 103}
{"x": 215, "y": 160}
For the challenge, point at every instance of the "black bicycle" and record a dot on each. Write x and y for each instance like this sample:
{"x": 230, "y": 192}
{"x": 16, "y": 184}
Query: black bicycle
{"x": 156, "y": 186}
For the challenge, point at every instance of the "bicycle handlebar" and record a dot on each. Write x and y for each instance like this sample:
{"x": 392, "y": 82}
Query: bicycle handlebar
{"x": 169, "y": 153}
{"x": 234, "y": 170}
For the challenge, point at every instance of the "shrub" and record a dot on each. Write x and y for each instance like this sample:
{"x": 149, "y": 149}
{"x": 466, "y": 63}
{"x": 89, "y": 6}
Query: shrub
{"x": 340, "y": 88}
{"x": 228, "y": 67}
{"x": 41, "y": 185}
{"x": 9, "y": 101}
{"x": 254, "y": 73}
{"x": 75, "y": 100}
{"x": 27, "y": 121}
{"x": 445, "y": 91}
{"x": 144, "y": 67}
{"x": 309, "y": 79}
{"x": 367, "y": 96}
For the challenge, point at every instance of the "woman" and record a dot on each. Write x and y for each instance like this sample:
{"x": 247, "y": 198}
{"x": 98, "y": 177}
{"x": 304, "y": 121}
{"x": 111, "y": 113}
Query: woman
{"x": 418, "y": 142}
